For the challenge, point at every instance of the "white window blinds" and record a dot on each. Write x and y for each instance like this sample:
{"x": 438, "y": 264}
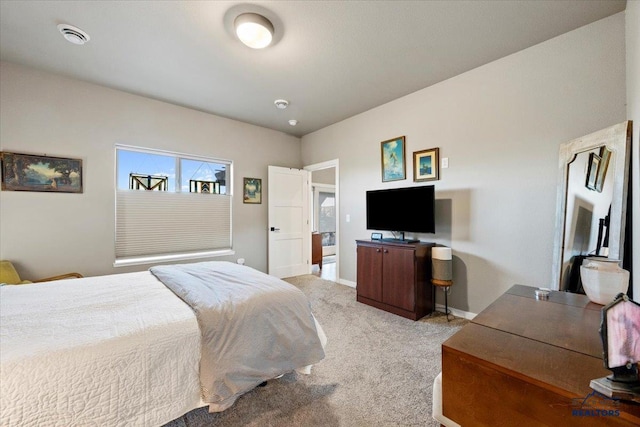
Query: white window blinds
{"x": 151, "y": 223}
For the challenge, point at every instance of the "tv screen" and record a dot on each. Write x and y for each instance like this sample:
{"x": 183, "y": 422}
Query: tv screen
{"x": 402, "y": 209}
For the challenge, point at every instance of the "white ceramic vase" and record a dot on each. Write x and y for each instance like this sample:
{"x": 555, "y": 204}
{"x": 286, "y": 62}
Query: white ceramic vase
{"x": 603, "y": 279}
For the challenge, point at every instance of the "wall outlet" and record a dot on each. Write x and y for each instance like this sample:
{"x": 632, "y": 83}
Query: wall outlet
{"x": 240, "y": 261}
{"x": 348, "y": 218}
{"x": 445, "y": 162}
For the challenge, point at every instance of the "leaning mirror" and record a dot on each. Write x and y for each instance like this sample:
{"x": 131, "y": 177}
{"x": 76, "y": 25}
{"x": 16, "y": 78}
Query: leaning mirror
{"x": 591, "y": 201}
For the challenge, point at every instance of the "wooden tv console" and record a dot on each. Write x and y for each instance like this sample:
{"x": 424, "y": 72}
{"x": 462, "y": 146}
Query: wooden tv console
{"x": 528, "y": 362}
{"x": 395, "y": 277}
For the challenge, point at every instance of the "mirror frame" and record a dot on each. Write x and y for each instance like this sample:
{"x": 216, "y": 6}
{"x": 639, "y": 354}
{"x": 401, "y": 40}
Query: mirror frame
{"x": 617, "y": 139}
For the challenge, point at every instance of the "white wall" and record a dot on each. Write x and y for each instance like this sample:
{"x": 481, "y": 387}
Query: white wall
{"x": 500, "y": 126}
{"x": 42, "y": 113}
{"x": 632, "y": 15}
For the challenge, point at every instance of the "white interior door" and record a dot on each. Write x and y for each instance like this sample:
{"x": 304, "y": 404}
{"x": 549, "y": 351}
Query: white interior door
{"x": 289, "y": 231}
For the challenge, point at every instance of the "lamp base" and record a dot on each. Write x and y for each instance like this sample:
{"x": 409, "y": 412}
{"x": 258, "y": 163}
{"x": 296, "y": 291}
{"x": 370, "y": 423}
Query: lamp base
{"x": 617, "y": 390}
{"x": 445, "y": 285}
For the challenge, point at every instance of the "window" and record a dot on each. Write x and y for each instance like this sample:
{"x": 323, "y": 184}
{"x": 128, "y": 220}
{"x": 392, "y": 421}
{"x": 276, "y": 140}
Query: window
{"x": 170, "y": 206}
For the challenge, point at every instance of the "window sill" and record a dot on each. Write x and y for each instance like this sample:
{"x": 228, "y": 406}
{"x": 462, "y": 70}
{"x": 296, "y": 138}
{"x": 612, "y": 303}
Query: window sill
{"x": 125, "y": 262}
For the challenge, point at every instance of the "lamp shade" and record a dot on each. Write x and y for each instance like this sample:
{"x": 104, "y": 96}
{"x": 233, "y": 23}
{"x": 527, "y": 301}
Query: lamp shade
{"x": 441, "y": 252}
{"x": 254, "y": 30}
{"x": 441, "y": 263}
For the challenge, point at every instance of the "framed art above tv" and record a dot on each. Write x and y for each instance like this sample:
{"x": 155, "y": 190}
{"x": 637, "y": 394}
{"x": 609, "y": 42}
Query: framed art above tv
{"x": 426, "y": 165}
{"x": 392, "y": 156}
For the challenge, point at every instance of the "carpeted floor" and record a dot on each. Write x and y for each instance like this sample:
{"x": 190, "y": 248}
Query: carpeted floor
{"x": 378, "y": 371}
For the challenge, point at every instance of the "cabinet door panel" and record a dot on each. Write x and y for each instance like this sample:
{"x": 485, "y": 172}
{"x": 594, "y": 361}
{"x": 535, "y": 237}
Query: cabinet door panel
{"x": 369, "y": 272}
{"x": 398, "y": 277}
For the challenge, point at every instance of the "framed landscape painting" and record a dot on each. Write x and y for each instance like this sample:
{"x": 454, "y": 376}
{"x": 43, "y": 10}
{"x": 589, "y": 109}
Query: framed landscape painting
{"x": 426, "y": 165}
{"x": 393, "y": 159}
{"x": 27, "y": 172}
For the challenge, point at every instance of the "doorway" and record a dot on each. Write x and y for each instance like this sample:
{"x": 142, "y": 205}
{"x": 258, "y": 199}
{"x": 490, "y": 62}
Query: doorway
{"x": 324, "y": 219}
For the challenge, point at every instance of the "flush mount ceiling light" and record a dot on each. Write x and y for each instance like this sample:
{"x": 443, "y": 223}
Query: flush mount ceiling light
{"x": 281, "y": 104}
{"x": 254, "y": 30}
{"x": 73, "y": 34}
{"x": 293, "y": 122}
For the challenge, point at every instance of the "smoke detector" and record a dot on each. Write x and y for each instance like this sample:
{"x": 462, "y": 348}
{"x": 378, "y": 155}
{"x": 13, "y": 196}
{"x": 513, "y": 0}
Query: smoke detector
{"x": 281, "y": 104}
{"x": 293, "y": 122}
{"x": 73, "y": 34}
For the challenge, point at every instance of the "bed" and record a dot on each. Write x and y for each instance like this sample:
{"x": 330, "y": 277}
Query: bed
{"x": 125, "y": 349}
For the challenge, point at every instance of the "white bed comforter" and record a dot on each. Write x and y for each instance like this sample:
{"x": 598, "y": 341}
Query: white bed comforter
{"x": 117, "y": 350}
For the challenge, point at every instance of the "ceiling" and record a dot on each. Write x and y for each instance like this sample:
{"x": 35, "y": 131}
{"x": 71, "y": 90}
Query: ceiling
{"x": 331, "y": 59}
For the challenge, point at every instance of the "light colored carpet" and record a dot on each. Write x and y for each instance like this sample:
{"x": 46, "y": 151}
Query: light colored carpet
{"x": 378, "y": 371}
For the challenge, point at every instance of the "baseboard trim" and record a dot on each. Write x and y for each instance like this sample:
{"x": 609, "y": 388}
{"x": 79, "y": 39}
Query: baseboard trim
{"x": 458, "y": 313}
{"x": 347, "y": 283}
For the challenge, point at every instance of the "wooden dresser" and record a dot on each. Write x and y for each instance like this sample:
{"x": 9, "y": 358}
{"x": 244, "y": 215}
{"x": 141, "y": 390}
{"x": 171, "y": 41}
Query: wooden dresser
{"x": 528, "y": 362}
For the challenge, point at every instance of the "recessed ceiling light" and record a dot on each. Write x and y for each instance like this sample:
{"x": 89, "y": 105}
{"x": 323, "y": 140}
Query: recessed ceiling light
{"x": 254, "y": 30}
{"x": 293, "y": 122}
{"x": 73, "y": 34}
{"x": 281, "y": 104}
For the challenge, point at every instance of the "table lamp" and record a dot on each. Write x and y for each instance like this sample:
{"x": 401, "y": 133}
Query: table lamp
{"x": 442, "y": 272}
{"x": 620, "y": 333}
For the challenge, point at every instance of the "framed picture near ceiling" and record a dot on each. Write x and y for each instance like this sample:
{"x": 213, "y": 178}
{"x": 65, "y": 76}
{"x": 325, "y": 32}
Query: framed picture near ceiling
{"x": 592, "y": 171}
{"x": 605, "y": 155}
{"x": 426, "y": 165}
{"x": 393, "y": 159}
{"x": 252, "y": 190}
{"x": 27, "y": 172}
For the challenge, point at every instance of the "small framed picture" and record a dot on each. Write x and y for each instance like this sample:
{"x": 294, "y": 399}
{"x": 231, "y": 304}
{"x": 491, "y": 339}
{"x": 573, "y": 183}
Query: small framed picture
{"x": 252, "y": 190}
{"x": 393, "y": 159}
{"x": 605, "y": 155}
{"x": 426, "y": 165}
{"x": 592, "y": 171}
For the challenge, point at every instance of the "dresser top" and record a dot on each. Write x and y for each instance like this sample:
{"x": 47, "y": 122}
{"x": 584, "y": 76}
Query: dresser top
{"x": 565, "y": 320}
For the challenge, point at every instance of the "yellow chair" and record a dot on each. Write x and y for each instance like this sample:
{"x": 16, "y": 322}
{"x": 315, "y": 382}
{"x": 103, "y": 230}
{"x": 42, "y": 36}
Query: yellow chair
{"x": 10, "y": 276}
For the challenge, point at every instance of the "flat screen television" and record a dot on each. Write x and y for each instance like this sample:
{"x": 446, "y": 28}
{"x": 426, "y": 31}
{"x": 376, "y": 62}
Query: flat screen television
{"x": 410, "y": 209}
